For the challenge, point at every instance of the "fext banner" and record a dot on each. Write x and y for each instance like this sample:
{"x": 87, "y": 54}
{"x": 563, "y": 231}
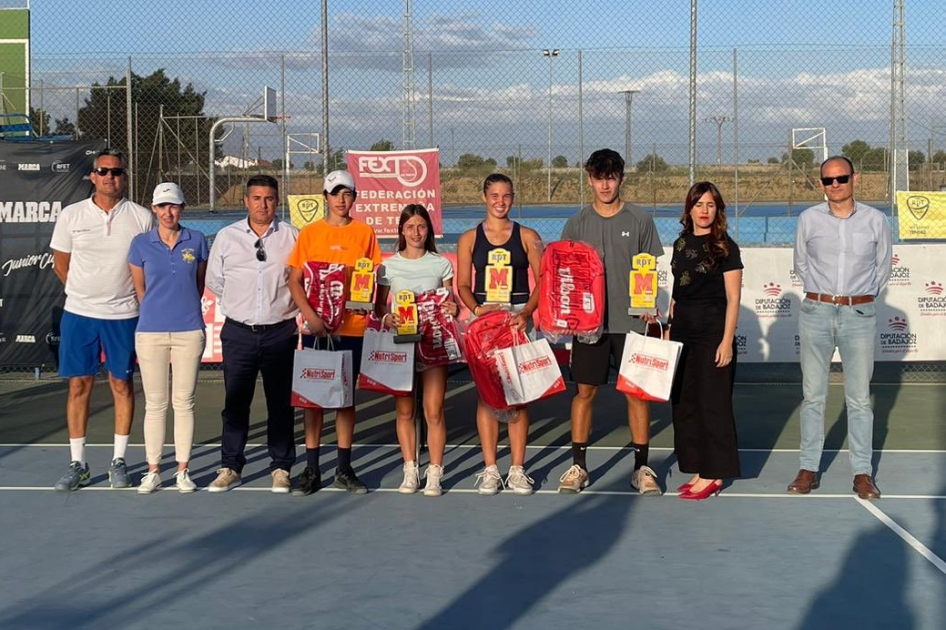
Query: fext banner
{"x": 387, "y": 181}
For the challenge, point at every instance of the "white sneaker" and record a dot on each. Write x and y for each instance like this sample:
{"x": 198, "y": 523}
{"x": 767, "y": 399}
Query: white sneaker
{"x": 183, "y": 482}
{"x": 518, "y": 481}
{"x": 489, "y": 481}
{"x": 411, "y": 479}
{"x": 644, "y": 480}
{"x": 434, "y": 474}
{"x": 150, "y": 482}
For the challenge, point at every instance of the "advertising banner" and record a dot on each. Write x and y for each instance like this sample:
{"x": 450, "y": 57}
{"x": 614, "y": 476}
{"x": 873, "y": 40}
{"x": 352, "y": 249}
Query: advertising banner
{"x": 922, "y": 215}
{"x": 37, "y": 180}
{"x": 387, "y": 181}
{"x": 305, "y": 209}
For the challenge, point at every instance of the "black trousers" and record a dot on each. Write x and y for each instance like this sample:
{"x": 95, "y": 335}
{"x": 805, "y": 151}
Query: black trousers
{"x": 247, "y": 354}
{"x": 703, "y": 423}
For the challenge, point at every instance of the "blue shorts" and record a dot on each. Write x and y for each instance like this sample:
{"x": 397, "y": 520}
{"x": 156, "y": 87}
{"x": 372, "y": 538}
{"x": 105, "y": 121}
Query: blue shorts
{"x": 83, "y": 339}
{"x": 355, "y": 344}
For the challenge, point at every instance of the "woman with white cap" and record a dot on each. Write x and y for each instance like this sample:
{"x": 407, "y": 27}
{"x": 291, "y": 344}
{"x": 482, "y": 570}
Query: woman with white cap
{"x": 168, "y": 266}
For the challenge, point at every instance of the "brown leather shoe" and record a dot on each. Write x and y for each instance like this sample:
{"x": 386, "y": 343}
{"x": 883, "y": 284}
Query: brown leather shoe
{"x": 805, "y": 482}
{"x": 865, "y": 488}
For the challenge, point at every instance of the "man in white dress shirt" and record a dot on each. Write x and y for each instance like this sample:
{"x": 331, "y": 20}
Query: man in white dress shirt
{"x": 247, "y": 271}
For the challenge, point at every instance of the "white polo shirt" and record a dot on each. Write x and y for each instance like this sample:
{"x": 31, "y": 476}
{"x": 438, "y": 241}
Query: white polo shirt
{"x": 99, "y": 282}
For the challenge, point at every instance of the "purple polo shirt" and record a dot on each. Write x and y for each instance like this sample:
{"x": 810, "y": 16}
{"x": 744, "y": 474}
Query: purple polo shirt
{"x": 171, "y": 302}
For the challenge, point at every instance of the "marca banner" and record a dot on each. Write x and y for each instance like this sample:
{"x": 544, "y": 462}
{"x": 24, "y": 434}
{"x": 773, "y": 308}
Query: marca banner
{"x": 37, "y": 180}
{"x": 389, "y": 180}
{"x": 922, "y": 215}
{"x": 305, "y": 209}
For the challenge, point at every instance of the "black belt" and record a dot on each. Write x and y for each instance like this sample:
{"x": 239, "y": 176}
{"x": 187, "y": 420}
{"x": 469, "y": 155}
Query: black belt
{"x": 258, "y": 327}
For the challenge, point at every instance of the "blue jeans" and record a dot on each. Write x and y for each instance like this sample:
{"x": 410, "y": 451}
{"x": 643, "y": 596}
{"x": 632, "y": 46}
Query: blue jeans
{"x": 853, "y": 330}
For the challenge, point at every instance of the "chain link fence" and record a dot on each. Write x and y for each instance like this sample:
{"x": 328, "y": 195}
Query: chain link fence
{"x": 528, "y": 88}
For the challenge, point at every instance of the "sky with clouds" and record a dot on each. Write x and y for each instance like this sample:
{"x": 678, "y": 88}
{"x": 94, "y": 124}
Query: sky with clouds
{"x": 799, "y": 63}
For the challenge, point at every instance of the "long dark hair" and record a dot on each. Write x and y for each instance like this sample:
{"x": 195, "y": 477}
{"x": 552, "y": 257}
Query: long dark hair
{"x": 415, "y": 210}
{"x": 719, "y": 242}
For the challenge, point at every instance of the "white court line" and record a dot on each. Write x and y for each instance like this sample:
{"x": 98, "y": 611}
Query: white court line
{"x": 907, "y": 537}
{"x": 477, "y": 446}
{"x": 587, "y": 491}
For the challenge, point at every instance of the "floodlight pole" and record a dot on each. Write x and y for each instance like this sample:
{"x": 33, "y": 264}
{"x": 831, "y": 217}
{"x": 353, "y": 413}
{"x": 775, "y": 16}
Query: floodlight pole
{"x": 551, "y": 53}
{"x": 628, "y": 101}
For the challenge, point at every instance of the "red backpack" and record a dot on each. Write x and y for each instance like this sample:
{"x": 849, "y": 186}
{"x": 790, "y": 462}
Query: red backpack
{"x": 439, "y": 337}
{"x": 571, "y": 301}
{"x": 488, "y": 332}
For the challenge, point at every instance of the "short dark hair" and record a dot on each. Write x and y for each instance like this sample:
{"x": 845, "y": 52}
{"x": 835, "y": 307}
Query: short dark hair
{"x": 837, "y": 157}
{"x": 415, "y": 210}
{"x": 605, "y": 162}
{"x": 266, "y": 181}
{"x": 115, "y": 153}
{"x": 497, "y": 178}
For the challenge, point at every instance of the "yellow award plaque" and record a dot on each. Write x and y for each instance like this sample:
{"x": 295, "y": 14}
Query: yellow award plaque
{"x": 643, "y": 285}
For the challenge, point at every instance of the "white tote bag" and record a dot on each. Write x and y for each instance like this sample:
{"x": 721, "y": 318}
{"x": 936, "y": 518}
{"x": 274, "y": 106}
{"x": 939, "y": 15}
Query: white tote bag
{"x": 322, "y": 378}
{"x": 647, "y": 367}
{"x": 386, "y": 366}
{"x": 529, "y": 372}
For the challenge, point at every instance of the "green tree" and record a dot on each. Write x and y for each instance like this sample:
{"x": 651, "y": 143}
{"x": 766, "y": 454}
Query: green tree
{"x": 382, "y": 145}
{"x": 470, "y": 161}
{"x": 917, "y": 159}
{"x": 308, "y": 165}
{"x": 802, "y": 158}
{"x": 64, "y": 127}
{"x": 103, "y": 116}
{"x": 772, "y": 160}
{"x": 652, "y": 163}
{"x": 560, "y": 161}
{"x": 39, "y": 120}
{"x": 855, "y": 151}
{"x": 873, "y": 160}
{"x": 939, "y": 158}
{"x": 513, "y": 162}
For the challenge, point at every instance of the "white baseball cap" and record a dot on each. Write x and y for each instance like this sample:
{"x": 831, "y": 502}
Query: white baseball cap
{"x": 338, "y": 178}
{"x": 167, "y": 192}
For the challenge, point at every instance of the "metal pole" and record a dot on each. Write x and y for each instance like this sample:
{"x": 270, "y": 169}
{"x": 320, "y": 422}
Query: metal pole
{"x": 326, "y": 149}
{"x": 581, "y": 133}
{"x": 692, "y": 91}
{"x": 628, "y": 103}
{"x": 735, "y": 136}
{"x": 132, "y": 178}
{"x": 551, "y": 54}
{"x": 430, "y": 99}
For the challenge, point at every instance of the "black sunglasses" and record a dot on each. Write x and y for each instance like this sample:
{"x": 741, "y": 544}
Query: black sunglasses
{"x": 841, "y": 179}
{"x": 260, "y": 252}
{"x": 102, "y": 171}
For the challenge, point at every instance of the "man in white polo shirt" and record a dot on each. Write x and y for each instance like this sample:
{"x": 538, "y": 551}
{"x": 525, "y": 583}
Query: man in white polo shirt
{"x": 90, "y": 256}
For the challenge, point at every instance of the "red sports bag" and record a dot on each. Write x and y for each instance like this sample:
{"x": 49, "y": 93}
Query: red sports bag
{"x": 573, "y": 291}
{"x": 439, "y": 337}
{"x": 488, "y": 332}
{"x": 325, "y": 285}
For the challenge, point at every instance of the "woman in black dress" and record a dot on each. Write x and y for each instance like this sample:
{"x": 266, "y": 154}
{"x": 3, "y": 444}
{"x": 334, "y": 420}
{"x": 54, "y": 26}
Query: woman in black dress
{"x": 704, "y": 309}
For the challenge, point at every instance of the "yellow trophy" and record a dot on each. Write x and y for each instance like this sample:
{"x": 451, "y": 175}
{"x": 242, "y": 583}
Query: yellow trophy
{"x": 361, "y": 287}
{"x": 498, "y": 282}
{"x": 643, "y": 285}
{"x": 406, "y": 311}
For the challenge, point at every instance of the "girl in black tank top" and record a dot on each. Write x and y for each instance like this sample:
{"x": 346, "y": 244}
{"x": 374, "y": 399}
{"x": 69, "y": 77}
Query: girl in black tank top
{"x": 473, "y": 254}
{"x": 519, "y": 261}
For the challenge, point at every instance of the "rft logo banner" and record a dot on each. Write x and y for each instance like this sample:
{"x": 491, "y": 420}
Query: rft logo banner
{"x": 387, "y": 181}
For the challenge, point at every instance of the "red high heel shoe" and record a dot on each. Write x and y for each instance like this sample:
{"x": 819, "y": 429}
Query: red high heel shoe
{"x": 684, "y": 488}
{"x": 713, "y": 488}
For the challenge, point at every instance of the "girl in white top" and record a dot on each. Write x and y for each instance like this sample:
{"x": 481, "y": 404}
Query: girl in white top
{"x": 418, "y": 267}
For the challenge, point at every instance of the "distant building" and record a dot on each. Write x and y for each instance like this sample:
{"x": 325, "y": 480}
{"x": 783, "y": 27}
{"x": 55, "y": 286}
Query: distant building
{"x": 235, "y": 162}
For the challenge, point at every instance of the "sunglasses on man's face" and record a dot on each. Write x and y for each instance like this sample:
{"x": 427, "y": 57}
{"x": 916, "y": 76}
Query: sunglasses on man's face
{"x": 102, "y": 171}
{"x": 841, "y": 179}
{"x": 260, "y": 252}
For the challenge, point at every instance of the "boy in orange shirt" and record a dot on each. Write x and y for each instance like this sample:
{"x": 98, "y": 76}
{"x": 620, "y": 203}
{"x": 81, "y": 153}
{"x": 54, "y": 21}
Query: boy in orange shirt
{"x": 335, "y": 239}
